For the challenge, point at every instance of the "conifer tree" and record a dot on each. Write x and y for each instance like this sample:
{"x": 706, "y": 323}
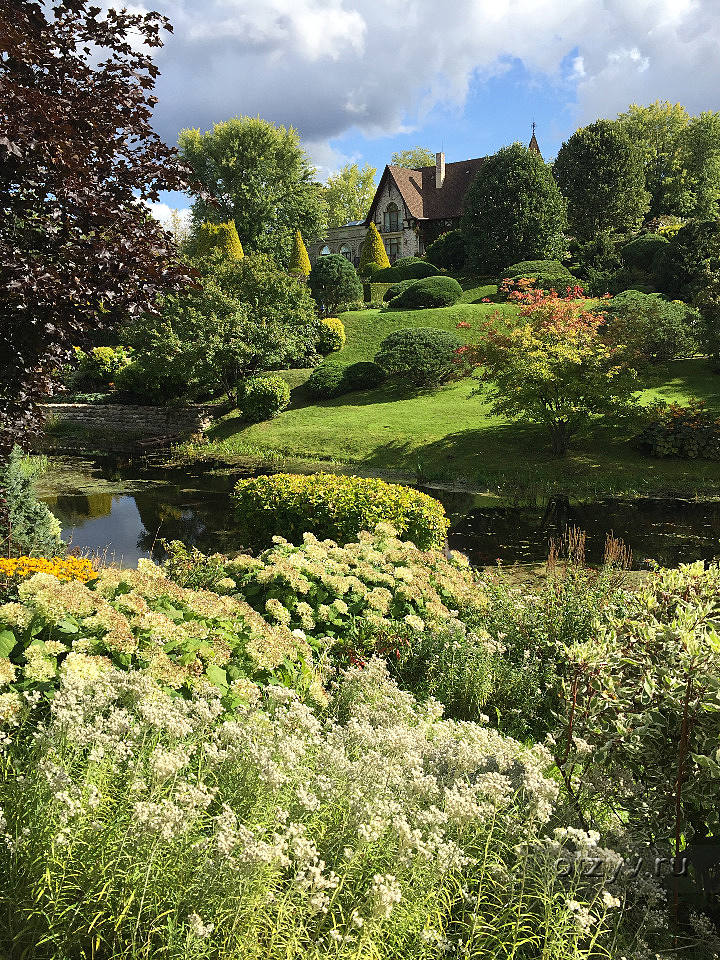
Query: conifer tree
{"x": 373, "y": 255}
{"x": 299, "y": 259}
{"x": 217, "y": 236}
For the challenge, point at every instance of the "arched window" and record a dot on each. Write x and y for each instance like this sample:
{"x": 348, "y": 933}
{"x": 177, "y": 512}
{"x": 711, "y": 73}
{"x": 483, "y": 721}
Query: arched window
{"x": 325, "y": 251}
{"x": 391, "y": 219}
{"x": 346, "y": 252}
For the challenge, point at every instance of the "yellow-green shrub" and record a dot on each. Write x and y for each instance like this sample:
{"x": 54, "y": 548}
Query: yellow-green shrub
{"x": 373, "y": 255}
{"x": 299, "y": 259}
{"x": 218, "y": 236}
{"x": 332, "y": 335}
{"x": 334, "y": 506}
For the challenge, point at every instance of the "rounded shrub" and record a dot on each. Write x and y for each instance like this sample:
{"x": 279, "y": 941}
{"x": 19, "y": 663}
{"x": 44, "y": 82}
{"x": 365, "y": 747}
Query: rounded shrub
{"x": 363, "y": 375}
{"x": 326, "y": 381}
{"x": 654, "y": 329}
{"x": 333, "y": 281}
{"x": 210, "y": 237}
{"x": 424, "y": 356}
{"x": 408, "y": 268}
{"x": 431, "y": 292}
{"x": 646, "y": 252}
{"x": 332, "y": 335}
{"x": 395, "y": 289}
{"x": 264, "y": 397}
{"x": 334, "y": 506}
{"x": 448, "y": 251}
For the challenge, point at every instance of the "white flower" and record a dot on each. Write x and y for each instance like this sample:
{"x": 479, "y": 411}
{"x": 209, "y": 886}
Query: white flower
{"x": 385, "y": 893}
{"x": 198, "y": 928}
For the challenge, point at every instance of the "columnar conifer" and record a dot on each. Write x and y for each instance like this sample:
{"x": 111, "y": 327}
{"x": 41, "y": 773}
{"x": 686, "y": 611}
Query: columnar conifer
{"x": 373, "y": 255}
{"x": 299, "y": 259}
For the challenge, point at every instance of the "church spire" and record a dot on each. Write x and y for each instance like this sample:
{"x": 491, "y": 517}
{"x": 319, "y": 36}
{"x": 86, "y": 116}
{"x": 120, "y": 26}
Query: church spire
{"x": 533, "y": 145}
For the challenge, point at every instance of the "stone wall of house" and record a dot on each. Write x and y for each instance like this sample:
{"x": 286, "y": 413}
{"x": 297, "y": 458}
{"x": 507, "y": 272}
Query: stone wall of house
{"x": 352, "y": 235}
{"x": 135, "y": 421}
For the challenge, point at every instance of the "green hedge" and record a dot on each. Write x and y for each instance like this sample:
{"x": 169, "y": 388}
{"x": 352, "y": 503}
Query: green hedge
{"x": 333, "y": 506}
{"x": 409, "y": 268}
{"x": 375, "y": 292}
{"x": 529, "y": 268}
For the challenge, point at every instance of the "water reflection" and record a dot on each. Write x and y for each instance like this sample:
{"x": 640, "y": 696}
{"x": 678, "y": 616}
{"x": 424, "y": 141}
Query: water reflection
{"x": 144, "y": 508}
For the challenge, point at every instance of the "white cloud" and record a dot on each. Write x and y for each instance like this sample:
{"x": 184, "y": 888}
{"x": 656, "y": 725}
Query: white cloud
{"x": 325, "y": 66}
{"x": 164, "y": 213}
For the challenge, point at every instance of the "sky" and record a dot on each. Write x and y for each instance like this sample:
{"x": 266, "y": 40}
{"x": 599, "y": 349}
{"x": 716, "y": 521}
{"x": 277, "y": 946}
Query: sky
{"x": 360, "y": 79}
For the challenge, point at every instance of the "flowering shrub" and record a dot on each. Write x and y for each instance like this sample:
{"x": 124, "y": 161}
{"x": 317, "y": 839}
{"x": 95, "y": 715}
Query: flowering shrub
{"x": 532, "y": 290}
{"x": 382, "y": 832}
{"x": 186, "y": 639}
{"x": 64, "y": 568}
{"x": 688, "y": 431}
{"x": 333, "y": 505}
{"x": 322, "y": 588}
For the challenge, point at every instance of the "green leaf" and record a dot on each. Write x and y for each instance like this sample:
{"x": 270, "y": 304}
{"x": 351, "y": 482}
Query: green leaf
{"x": 7, "y": 642}
{"x": 217, "y": 676}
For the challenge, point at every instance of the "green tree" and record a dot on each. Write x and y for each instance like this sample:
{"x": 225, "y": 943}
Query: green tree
{"x": 243, "y": 317}
{"x": 691, "y": 271}
{"x": 414, "y": 158}
{"x": 601, "y": 176}
{"x": 701, "y": 159}
{"x": 553, "y": 366}
{"x": 333, "y": 281}
{"x": 258, "y": 175}
{"x": 513, "y": 211}
{"x": 349, "y": 193}
{"x": 373, "y": 255}
{"x": 216, "y": 236}
{"x": 658, "y": 133}
{"x": 299, "y": 259}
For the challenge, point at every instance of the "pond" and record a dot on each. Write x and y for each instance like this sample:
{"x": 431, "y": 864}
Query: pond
{"x": 123, "y": 511}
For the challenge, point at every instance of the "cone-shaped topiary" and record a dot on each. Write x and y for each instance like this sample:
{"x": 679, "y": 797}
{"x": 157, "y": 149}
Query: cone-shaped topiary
{"x": 299, "y": 259}
{"x": 218, "y": 236}
{"x": 373, "y": 255}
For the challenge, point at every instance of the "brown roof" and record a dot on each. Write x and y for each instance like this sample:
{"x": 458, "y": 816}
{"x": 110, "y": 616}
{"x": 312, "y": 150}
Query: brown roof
{"x": 533, "y": 145}
{"x": 424, "y": 200}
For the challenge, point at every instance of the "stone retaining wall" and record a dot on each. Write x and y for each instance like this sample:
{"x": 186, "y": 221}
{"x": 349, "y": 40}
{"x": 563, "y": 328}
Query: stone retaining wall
{"x": 138, "y": 421}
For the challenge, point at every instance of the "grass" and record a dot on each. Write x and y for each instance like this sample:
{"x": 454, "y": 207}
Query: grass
{"x": 451, "y": 435}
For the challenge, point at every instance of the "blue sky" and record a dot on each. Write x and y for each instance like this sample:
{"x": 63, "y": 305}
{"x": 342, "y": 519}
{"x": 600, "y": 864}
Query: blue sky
{"x": 362, "y": 78}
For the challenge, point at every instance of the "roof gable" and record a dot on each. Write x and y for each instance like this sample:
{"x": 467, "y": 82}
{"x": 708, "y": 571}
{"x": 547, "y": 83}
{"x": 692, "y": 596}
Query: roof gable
{"x": 423, "y": 199}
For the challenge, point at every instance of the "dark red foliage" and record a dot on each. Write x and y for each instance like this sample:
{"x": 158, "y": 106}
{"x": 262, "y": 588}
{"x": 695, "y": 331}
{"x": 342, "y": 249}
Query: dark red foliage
{"x": 77, "y": 156}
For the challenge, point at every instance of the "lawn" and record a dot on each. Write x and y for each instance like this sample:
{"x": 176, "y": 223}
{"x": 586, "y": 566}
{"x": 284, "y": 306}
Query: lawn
{"x": 451, "y": 435}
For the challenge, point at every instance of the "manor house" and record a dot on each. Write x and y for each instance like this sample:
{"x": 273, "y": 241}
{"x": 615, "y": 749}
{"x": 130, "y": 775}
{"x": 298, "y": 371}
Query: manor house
{"x": 411, "y": 208}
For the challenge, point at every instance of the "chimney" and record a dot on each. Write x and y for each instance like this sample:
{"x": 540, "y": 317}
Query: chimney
{"x": 439, "y": 169}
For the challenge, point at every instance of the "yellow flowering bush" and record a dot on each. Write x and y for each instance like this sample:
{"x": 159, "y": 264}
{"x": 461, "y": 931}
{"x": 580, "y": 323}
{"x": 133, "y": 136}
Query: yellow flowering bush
{"x": 185, "y": 639}
{"x": 333, "y": 505}
{"x": 63, "y": 568}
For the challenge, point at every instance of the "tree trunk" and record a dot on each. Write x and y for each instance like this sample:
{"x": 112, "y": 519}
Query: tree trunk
{"x": 560, "y": 435}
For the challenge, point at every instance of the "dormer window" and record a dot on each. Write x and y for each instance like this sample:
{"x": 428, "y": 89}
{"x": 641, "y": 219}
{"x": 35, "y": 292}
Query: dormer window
{"x": 391, "y": 218}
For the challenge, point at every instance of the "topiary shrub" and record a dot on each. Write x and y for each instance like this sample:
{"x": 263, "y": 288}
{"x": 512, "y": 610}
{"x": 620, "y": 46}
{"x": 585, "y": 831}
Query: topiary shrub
{"x": 448, "y": 251}
{"x": 423, "y": 356}
{"x": 333, "y": 281}
{"x": 646, "y": 253}
{"x": 654, "y": 329}
{"x": 373, "y": 255}
{"x": 431, "y": 292}
{"x": 333, "y": 506}
{"x": 395, "y": 289}
{"x": 409, "y": 268}
{"x": 32, "y": 529}
{"x": 531, "y": 268}
{"x": 299, "y": 264}
{"x": 212, "y": 237}
{"x": 326, "y": 381}
{"x": 263, "y": 398}
{"x": 332, "y": 335}
{"x": 363, "y": 375}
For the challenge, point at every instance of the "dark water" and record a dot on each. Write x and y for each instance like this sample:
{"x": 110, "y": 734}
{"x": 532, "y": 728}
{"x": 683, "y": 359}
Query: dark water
{"x": 124, "y": 511}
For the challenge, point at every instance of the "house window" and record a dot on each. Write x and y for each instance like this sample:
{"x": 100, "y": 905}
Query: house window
{"x": 393, "y": 248}
{"x": 346, "y": 252}
{"x": 391, "y": 219}
{"x": 325, "y": 251}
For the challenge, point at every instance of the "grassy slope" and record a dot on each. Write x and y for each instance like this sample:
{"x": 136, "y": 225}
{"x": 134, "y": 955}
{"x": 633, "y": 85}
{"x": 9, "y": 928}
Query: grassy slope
{"x": 451, "y": 435}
